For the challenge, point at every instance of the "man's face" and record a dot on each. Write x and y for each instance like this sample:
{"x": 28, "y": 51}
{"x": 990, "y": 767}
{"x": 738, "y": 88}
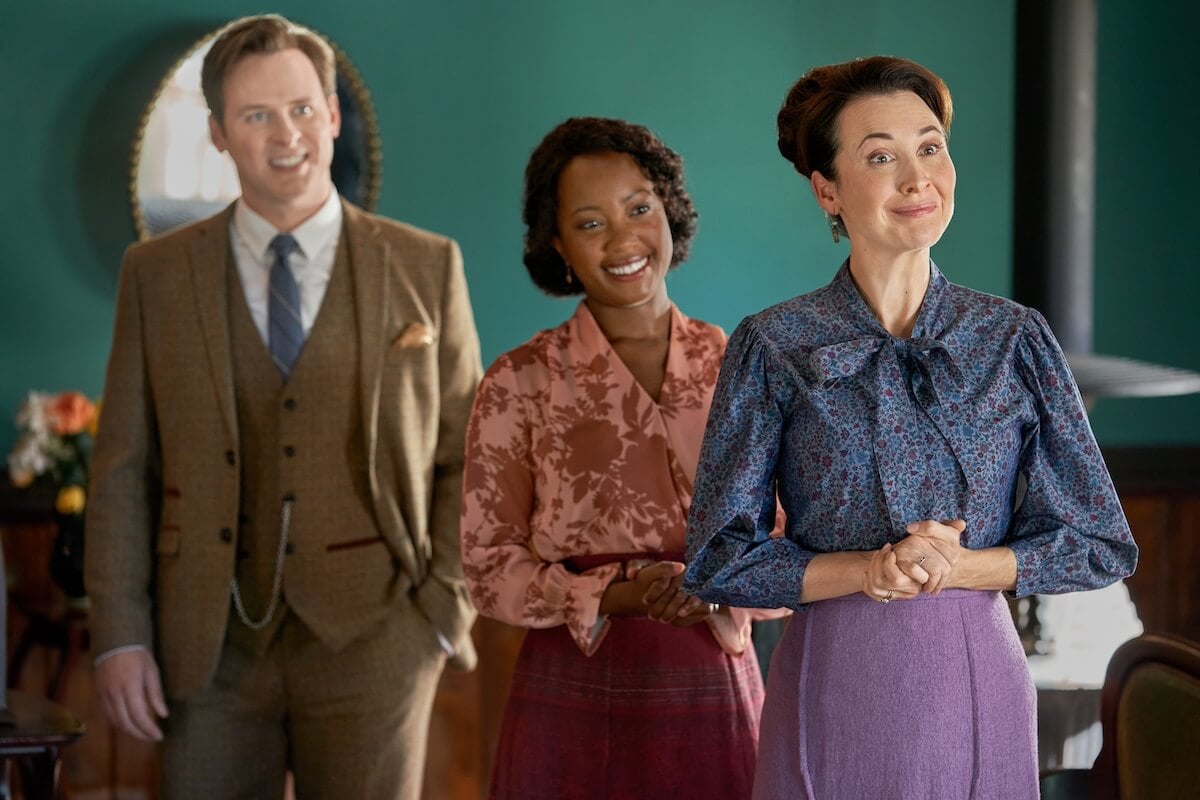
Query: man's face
{"x": 279, "y": 128}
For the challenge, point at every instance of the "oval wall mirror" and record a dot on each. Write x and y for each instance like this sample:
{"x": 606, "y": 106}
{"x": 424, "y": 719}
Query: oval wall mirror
{"x": 178, "y": 177}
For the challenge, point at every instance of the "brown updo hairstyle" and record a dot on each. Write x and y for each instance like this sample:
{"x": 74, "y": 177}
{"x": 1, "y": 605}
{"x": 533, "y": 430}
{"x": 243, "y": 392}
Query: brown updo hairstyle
{"x": 808, "y": 120}
{"x": 582, "y": 136}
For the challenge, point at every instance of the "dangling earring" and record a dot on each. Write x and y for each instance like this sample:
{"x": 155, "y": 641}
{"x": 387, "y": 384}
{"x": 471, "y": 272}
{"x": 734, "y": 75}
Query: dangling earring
{"x": 569, "y": 276}
{"x": 836, "y": 228}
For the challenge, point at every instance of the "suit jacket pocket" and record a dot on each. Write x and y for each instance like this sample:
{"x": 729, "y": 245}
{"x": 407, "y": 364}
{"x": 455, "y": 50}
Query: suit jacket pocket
{"x": 352, "y": 544}
{"x": 414, "y": 336}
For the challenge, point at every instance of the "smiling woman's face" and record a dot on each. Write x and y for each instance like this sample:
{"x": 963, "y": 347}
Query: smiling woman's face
{"x": 895, "y": 181}
{"x": 613, "y": 230}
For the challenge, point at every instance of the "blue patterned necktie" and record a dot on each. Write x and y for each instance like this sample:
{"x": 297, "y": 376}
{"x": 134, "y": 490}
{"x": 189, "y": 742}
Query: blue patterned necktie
{"x": 285, "y": 335}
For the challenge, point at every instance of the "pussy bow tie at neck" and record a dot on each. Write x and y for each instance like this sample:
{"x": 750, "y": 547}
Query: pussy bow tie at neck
{"x": 926, "y": 363}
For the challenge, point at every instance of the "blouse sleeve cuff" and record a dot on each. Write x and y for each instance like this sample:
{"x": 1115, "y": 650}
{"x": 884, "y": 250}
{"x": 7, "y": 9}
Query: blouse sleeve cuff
{"x": 585, "y": 623}
{"x": 731, "y": 628}
{"x": 1029, "y": 562}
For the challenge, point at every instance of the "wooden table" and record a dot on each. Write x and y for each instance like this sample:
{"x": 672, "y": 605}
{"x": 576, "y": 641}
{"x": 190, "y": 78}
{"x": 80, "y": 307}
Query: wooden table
{"x": 33, "y": 737}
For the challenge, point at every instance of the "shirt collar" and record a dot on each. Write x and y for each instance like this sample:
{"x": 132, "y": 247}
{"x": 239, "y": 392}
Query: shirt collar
{"x": 312, "y": 235}
{"x": 930, "y": 320}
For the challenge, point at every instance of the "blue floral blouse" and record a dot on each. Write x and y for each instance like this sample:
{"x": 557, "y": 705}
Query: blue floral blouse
{"x": 975, "y": 417}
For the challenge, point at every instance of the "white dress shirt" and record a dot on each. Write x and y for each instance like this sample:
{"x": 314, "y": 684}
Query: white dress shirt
{"x": 311, "y": 265}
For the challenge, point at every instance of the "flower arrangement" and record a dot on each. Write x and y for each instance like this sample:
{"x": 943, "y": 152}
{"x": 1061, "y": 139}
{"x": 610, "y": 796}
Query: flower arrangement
{"x": 56, "y": 432}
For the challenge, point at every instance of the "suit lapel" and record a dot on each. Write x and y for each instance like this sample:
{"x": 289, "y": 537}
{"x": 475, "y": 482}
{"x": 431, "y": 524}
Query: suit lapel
{"x": 368, "y": 258}
{"x": 210, "y": 281}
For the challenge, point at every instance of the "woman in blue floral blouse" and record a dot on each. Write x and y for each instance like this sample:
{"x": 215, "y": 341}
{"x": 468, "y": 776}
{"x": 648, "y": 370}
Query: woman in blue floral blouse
{"x": 930, "y": 449}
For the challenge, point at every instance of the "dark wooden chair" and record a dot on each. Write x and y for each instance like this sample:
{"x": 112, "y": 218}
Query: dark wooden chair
{"x": 32, "y": 736}
{"x": 1150, "y": 717}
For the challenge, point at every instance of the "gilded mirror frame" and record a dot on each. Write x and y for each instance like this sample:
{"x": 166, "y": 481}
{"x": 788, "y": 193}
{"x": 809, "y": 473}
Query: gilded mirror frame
{"x": 358, "y": 148}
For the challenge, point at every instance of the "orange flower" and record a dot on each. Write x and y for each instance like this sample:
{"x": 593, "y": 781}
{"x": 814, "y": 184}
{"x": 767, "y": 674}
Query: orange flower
{"x": 21, "y": 478}
{"x": 70, "y": 413}
{"x": 70, "y": 500}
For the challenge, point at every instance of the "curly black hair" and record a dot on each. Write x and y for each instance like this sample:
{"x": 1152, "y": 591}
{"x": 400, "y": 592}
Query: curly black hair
{"x": 581, "y": 136}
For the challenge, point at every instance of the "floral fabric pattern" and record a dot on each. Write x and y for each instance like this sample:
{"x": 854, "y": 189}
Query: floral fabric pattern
{"x": 567, "y": 455}
{"x": 975, "y": 417}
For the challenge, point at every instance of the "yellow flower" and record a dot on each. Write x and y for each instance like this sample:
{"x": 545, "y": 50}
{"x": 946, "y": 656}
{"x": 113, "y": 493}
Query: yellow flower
{"x": 94, "y": 423}
{"x": 70, "y": 500}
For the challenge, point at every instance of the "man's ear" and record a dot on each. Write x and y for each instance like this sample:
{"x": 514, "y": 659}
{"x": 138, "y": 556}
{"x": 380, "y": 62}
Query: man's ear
{"x": 216, "y": 134}
{"x": 335, "y": 114}
{"x": 825, "y": 191}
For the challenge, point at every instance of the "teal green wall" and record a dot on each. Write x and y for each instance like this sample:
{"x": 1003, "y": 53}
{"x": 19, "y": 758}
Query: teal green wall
{"x": 1148, "y": 209}
{"x": 464, "y": 90}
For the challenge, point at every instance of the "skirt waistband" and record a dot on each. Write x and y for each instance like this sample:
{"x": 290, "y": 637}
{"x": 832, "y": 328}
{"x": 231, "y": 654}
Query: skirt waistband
{"x": 583, "y": 563}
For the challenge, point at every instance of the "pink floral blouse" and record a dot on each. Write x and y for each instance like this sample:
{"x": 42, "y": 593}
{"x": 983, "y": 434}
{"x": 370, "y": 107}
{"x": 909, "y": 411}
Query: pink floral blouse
{"x": 567, "y": 455}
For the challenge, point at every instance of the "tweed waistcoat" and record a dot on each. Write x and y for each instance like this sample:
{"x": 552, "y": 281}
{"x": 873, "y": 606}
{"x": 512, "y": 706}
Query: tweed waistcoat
{"x": 303, "y": 441}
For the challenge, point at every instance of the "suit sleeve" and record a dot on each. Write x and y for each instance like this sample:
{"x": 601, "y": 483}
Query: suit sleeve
{"x": 125, "y": 486}
{"x": 443, "y": 596}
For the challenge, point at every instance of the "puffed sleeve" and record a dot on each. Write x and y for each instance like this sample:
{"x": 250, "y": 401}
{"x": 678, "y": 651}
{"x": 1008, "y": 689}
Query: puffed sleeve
{"x": 1069, "y": 532}
{"x": 732, "y": 557}
{"x": 506, "y": 578}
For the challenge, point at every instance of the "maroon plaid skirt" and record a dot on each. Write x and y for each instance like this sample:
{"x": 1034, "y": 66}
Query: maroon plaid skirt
{"x": 657, "y": 712}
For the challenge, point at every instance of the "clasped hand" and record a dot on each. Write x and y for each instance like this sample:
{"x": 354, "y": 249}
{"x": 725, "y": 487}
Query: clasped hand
{"x": 923, "y": 561}
{"x": 656, "y": 591}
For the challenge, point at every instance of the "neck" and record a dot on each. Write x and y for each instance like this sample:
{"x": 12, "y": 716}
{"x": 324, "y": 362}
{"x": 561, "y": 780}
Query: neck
{"x": 285, "y": 218}
{"x": 650, "y": 320}
{"x": 893, "y": 288}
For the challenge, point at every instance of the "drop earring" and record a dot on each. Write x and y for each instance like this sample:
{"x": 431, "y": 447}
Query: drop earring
{"x": 836, "y": 228}
{"x": 569, "y": 275}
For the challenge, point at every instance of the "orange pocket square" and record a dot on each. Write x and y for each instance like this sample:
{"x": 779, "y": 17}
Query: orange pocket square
{"x": 415, "y": 334}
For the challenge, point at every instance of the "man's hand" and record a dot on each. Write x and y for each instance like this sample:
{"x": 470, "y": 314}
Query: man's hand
{"x": 131, "y": 692}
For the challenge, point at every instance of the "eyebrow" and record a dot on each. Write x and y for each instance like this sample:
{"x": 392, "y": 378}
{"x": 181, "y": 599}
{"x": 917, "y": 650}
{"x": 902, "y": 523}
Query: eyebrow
{"x": 624, "y": 199}
{"x": 305, "y": 100}
{"x": 889, "y": 137}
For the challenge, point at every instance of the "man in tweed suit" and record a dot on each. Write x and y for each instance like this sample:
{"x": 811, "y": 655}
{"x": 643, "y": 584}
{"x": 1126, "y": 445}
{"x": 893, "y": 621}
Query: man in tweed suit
{"x": 273, "y": 532}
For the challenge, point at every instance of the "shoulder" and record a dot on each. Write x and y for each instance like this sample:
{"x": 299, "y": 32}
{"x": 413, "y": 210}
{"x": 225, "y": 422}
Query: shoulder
{"x": 808, "y": 320}
{"x": 990, "y": 336}
{"x": 169, "y": 249}
{"x": 981, "y": 327}
{"x": 696, "y": 332}
{"x": 409, "y": 239}
{"x": 529, "y": 366}
{"x": 976, "y": 305}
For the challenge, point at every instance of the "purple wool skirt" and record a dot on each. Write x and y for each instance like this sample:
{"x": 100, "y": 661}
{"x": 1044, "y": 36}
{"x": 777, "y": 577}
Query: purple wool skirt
{"x": 923, "y": 699}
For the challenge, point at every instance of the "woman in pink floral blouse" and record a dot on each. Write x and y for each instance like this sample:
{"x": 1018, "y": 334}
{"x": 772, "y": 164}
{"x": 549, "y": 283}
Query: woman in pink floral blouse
{"x": 581, "y": 454}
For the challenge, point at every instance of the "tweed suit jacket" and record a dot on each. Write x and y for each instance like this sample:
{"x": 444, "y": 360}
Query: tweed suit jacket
{"x": 165, "y": 483}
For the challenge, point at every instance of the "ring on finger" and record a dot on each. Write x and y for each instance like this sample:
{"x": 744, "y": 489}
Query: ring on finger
{"x": 887, "y": 598}
{"x": 921, "y": 560}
